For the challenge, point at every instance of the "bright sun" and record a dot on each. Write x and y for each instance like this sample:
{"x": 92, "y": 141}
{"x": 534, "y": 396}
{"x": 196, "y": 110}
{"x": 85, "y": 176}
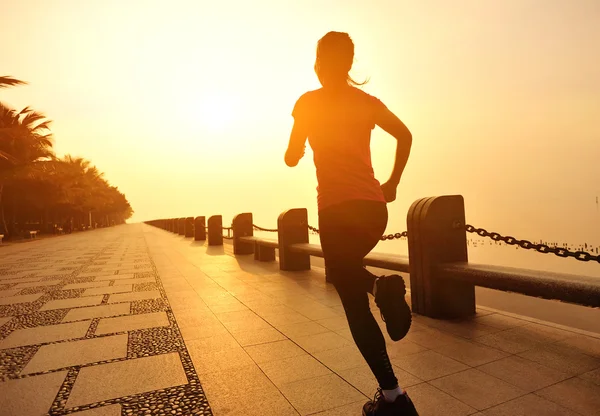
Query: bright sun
{"x": 217, "y": 110}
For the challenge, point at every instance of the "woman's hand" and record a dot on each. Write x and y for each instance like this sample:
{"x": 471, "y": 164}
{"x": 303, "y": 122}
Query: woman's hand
{"x": 389, "y": 191}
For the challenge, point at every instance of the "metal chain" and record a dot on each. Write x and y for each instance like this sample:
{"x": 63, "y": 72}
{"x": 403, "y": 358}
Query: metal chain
{"x": 313, "y": 229}
{"x": 270, "y": 230}
{"x": 528, "y": 245}
{"x": 403, "y": 234}
{"x": 385, "y": 237}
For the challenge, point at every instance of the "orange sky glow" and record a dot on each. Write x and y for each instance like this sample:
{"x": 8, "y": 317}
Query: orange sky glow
{"x": 185, "y": 105}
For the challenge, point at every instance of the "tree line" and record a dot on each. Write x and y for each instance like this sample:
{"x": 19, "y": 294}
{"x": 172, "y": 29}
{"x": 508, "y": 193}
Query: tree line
{"x": 43, "y": 192}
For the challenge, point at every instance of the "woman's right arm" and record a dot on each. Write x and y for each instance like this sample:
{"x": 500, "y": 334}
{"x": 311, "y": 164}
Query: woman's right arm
{"x": 389, "y": 122}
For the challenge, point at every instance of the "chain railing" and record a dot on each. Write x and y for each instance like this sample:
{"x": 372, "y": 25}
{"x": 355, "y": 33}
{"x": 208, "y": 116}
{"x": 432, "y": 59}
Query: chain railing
{"x": 384, "y": 237}
{"x": 511, "y": 241}
{"x": 528, "y": 245}
{"x": 269, "y": 230}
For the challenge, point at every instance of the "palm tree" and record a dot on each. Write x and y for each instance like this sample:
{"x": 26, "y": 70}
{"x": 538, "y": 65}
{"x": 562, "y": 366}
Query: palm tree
{"x": 25, "y": 138}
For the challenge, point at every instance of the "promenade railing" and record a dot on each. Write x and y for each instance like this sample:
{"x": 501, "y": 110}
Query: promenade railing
{"x": 442, "y": 280}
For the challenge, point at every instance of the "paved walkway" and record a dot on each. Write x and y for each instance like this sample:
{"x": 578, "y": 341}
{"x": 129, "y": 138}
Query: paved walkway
{"x": 133, "y": 320}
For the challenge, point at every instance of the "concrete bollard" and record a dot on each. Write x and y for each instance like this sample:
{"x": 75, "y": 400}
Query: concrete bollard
{"x": 189, "y": 227}
{"x": 242, "y": 227}
{"x": 181, "y": 226}
{"x": 292, "y": 226}
{"x": 199, "y": 229}
{"x": 436, "y": 234}
{"x": 215, "y": 230}
{"x": 175, "y": 226}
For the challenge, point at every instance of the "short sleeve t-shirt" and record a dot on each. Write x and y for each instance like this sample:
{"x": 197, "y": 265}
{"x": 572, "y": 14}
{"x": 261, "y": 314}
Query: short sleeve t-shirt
{"x": 339, "y": 125}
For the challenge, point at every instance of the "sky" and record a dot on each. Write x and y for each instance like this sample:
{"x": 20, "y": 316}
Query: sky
{"x": 185, "y": 105}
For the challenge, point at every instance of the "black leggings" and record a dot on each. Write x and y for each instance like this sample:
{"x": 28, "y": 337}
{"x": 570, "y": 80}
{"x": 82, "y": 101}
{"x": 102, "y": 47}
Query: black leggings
{"x": 348, "y": 232}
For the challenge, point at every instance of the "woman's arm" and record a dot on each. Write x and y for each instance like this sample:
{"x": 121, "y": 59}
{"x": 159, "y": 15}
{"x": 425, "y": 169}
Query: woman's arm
{"x": 394, "y": 126}
{"x": 297, "y": 145}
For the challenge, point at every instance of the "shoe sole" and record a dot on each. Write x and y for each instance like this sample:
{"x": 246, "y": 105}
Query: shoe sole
{"x": 407, "y": 315}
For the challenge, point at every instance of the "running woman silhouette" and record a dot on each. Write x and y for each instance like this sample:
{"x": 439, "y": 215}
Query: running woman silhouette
{"x": 337, "y": 120}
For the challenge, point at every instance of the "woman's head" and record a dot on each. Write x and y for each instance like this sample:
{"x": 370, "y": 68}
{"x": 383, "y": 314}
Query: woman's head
{"x": 335, "y": 54}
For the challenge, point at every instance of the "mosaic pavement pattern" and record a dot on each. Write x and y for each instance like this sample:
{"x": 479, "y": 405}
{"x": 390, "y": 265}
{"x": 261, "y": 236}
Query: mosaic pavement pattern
{"x": 86, "y": 329}
{"x": 137, "y": 321}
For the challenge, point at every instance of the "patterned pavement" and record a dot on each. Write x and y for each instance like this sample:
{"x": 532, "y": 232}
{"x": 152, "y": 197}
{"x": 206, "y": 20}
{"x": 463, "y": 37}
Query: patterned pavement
{"x": 86, "y": 329}
{"x": 133, "y": 321}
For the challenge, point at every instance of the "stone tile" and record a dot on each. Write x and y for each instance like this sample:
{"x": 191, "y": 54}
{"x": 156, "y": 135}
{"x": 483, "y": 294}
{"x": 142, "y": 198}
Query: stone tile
{"x": 320, "y": 393}
{"x": 349, "y": 409}
{"x": 247, "y": 325}
{"x": 260, "y": 336}
{"x": 583, "y": 344}
{"x": 302, "y": 329}
{"x": 232, "y": 381}
{"x": 132, "y": 322}
{"x": 466, "y": 328}
{"x": 511, "y": 341}
{"x": 500, "y": 321}
{"x": 544, "y": 333}
{"x": 244, "y": 403}
{"x": 285, "y": 319}
{"x": 272, "y": 351}
{"x": 101, "y": 311}
{"x": 86, "y": 285}
{"x": 30, "y": 395}
{"x": 292, "y": 369}
{"x": 525, "y": 374}
{"x": 38, "y": 284}
{"x": 335, "y": 323}
{"x": 527, "y": 406}
{"x": 133, "y": 296}
{"x": 204, "y": 331}
{"x": 10, "y": 292}
{"x": 115, "y": 277}
{"x": 431, "y": 338}
{"x": 593, "y": 376}
{"x": 218, "y": 343}
{"x": 218, "y": 361}
{"x": 110, "y": 410}
{"x": 108, "y": 290}
{"x": 236, "y": 316}
{"x": 576, "y": 394}
{"x": 106, "y": 381}
{"x": 141, "y": 270}
{"x": 20, "y": 280}
{"x": 67, "y": 354}
{"x": 428, "y": 365}
{"x": 340, "y": 359}
{"x": 11, "y": 300}
{"x": 136, "y": 281}
{"x": 477, "y": 389}
{"x": 403, "y": 348}
{"x": 362, "y": 379}
{"x": 72, "y": 303}
{"x": 470, "y": 353}
{"x": 430, "y": 401}
{"x": 43, "y": 334}
{"x": 322, "y": 342}
{"x": 4, "y": 320}
{"x": 562, "y": 358}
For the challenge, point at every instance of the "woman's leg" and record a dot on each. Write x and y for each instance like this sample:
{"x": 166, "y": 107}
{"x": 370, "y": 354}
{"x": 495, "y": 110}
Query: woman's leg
{"x": 348, "y": 232}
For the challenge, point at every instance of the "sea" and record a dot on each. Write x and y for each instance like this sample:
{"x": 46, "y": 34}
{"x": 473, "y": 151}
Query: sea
{"x": 485, "y": 251}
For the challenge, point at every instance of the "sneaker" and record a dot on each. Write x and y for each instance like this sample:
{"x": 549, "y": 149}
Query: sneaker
{"x": 395, "y": 312}
{"x": 403, "y": 406}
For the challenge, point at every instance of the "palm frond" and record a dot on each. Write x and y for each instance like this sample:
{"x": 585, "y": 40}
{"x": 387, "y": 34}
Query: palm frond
{"x": 8, "y": 81}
